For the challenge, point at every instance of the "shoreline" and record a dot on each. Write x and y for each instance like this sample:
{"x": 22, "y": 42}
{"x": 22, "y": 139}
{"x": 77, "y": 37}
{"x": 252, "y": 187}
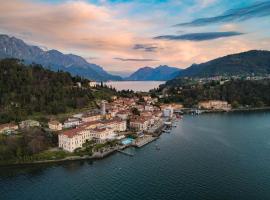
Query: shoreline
{"x": 67, "y": 159}
{"x": 79, "y": 158}
{"x": 237, "y": 110}
{"x": 115, "y": 150}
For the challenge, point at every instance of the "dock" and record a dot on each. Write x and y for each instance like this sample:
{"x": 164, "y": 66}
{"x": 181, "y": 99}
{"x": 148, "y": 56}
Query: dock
{"x": 140, "y": 142}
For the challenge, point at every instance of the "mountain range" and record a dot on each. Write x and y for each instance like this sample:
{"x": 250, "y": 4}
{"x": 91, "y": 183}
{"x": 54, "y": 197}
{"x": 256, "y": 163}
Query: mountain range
{"x": 161, "y": 73}
{"x": 11, "y": 47}
{"x": 254, "y": 62}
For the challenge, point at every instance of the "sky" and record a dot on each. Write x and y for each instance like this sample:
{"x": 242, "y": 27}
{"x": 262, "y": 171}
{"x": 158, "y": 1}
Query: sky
{"x": 124, "y": 35}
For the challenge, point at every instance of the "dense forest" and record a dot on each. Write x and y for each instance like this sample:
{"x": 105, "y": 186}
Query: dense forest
{"x": 252, "y": 62}
{"x": 27, "y": 90}
{"x": 252, "y": 93}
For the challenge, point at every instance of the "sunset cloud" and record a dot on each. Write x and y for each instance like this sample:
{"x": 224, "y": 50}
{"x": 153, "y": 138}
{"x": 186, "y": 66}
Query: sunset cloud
{"x": 121, "y": 35}
{"x": 199, "y": 36}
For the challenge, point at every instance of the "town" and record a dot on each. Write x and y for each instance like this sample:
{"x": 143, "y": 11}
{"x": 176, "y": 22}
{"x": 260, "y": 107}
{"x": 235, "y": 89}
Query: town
{"x": 119, "y": 122}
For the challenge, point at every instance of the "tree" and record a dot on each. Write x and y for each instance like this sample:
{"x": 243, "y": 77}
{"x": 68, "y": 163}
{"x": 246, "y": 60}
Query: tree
{"x": 135, "y": 111}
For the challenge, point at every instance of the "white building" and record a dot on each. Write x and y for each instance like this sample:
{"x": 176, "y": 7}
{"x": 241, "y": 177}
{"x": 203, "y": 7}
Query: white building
{"x": 102, "y": 134}
{"x": 72, "y": 122}
{"x": 123, "y": 114}
{"x": 29, "y": 123}
{"x": 73, "y": 139}
{"x": 100, "y": 131}
{"x": 103, "y": 108}
{"x": 92, "y": 83}
{"x": 140, "y": 124}
{"x": 168, "y": 112}
{"x": 117, "y": 125}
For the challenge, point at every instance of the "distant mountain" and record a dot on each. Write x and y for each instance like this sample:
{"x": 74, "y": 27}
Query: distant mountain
{"x": 247, "y": 63}
{"x": 11, "y": 47}
{"x": 161, "y": 73}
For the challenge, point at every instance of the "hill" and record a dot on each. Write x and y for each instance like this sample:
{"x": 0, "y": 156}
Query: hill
{"x": 11, "y": 47}
{"x": 253, "y": 62}
{"x": 29, "y": 90}
{"x": 161, "y": 73}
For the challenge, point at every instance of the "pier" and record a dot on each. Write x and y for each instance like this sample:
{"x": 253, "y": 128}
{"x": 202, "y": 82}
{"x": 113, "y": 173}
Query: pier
{"x": 144, "y": 140}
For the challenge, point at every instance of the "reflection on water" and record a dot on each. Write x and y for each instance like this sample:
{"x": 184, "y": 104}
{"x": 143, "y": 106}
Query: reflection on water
{"x": 137, "y": 86}
{"x": 38, "y": 169}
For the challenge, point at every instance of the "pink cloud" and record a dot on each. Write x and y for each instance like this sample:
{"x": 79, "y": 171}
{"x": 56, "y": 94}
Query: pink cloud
{"x": 106, "y": 33}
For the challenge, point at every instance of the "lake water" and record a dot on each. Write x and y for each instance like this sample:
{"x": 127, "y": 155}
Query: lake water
{"x": 137, "y": 86}
{"x": 211, "y": 156}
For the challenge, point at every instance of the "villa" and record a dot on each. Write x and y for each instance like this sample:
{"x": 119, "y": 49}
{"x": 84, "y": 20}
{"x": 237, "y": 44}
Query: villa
{"x": 72, "y": 122}
{"x": 55, "y": 125}
{"x": 116, "y": 124}
{"x": 7, "y": 128}
{"x": 139, "y": 124}
{"x": 29, "y": 123}
{"x": 89, "y": 117}
{"x": 100, "y": 131}
{"x": 214, "y": 105}
{"x": 102, "y": 134}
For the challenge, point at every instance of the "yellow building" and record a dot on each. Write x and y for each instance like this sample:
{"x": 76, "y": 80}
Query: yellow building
{"x": 55, "y": 125}
{"x": 214, "y": 105}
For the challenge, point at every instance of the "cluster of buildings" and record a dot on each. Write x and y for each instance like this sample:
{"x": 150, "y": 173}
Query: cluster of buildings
{"x": 109, "y": 123}
{"x": 11, "y": 128}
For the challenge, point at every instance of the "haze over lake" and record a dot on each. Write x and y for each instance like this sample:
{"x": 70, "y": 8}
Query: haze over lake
{"x": 211, "y": 156}
{"x": 136, "y": 86}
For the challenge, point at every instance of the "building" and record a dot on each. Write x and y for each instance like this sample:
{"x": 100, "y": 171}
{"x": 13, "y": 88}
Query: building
{"x": 103, "y": 108}
{"x": 114, "y": 98}
{"x": 149, "y": 108}
{"x": 100, "y": 131}
{"x": 72, "y": 139}
{"x": 8, "y": 128}
{"x": 139, "y": 124}
{"x": 55, "y": 125}
{"x": 92, "y": 83}
{"x": 102, "y": 134}
{"x": 123, "y": 114}
{"x": 214, "y": 105}
{"x": 168, "y": 112}
{"x": 28, "y": 124}
{"x": 79, "y": 84}
{"x": 116, "y": 124}
{"x": 72, "y": 122}
{"x": 91, "y": 117}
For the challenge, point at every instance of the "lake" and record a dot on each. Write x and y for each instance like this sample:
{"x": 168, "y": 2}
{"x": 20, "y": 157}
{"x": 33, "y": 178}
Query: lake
{"x": 136, "y": 86}
{"x": 211, "y": 156}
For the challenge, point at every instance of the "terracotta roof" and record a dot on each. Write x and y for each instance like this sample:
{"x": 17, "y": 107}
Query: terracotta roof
{"x": 99, "y": 129}
{"x": 7, "y": 125}
{"x": 72, "y": 132}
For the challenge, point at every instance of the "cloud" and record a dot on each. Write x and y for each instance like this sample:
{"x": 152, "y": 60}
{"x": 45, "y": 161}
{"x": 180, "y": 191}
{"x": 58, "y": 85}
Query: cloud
{"x": 135, "y": 59}
{"x": 145, "y": 47}
{"x": 261, "y": 9}
{"x": 199, "y": 36}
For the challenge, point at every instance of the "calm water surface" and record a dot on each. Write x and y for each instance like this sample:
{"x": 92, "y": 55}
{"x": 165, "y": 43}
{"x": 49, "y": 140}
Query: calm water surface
{"x": 137, "y": 86}
{"x": 213, "y": 156}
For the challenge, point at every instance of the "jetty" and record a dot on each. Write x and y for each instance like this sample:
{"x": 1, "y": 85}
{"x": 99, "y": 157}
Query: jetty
{"x": 140, "y": 142}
